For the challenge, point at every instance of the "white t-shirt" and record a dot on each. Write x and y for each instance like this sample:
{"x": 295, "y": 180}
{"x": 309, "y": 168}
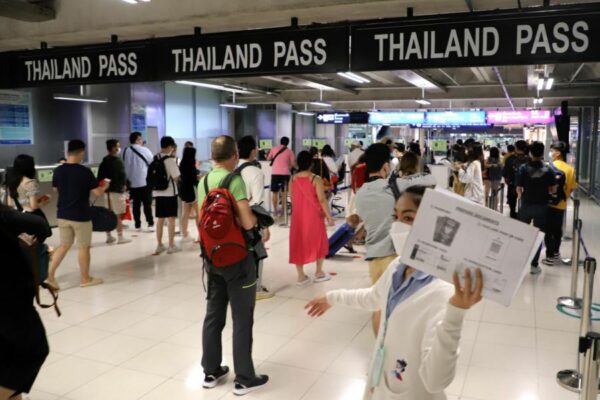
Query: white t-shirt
{"x": 254, "y": 178}
{"x": 173, "y": 173}
{"x": 331, "y": 165}
{"x": 354, "y": 156}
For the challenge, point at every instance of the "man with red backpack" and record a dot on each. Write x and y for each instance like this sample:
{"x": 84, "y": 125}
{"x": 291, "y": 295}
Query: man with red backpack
{"x": 224, "y": 216}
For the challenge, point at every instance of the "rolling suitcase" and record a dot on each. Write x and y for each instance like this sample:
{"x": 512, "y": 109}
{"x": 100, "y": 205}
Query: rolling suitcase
{"x": 342, "y": 237}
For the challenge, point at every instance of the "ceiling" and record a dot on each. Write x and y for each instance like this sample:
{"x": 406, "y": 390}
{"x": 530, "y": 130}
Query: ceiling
{"x": 476, "y": 87}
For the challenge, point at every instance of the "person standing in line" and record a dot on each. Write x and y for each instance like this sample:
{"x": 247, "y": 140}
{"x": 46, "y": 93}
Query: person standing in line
{"x": 355, "y": 152}
{"x": 397, "y": 153}
{"x": 23, "y": 188}
{"x": 112, "y": 169}
{"x": 282, "y": 161}
{"x": 470, "y": 174}
{"x": 556, "y": 213}
{"x": 511, "y": 166}
{"x": 137, "y": 158}
{"x": 74, "y": 183}
{"x": 166, "y": 200}
{"x": 535, "y": 182}
{"x": 308, "y": 235}
{"x": 254, "y": 179}
{"x": 328, "y": 156}
{"x": 23, "y": 342}
{"x": 492, "y": 173}
{"x": 233, "y": 285}
{"x": 188, "y": 185}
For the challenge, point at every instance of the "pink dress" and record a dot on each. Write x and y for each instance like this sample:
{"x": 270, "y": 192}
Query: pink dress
{"x": 308, "y": 236}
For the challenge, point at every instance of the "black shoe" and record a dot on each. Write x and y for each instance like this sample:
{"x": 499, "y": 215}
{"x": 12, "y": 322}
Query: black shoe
{"x": 257, "y": 383}
{"x": 212, "y": 380}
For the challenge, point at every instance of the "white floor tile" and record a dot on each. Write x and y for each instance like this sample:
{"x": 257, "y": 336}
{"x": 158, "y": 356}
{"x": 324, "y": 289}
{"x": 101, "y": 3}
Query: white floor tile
{"x": 164, "y": 359}
{"x": 281, "y": 324}
{"x": 499, "y": 314}
{"x": 116, "y": 349}
{"x": 117, "y": 384}
{"x": 68, "y": 374}
{"x": 556, "y": 321}
{"x": 308, "y": 355}
{"x": 509, "y": 358}
{"x": 285, "y": 382}
{"x": 114, "y": 320}
{"x": 156, "y": 328}
{"x": 76, "y": 338}
{"x": 506, "y": 335}
{"x": 331, "y": 332}
{"x": 353, "y": 362}
{"x": 174, "y": 389}
{"x": 494, "y": 384}
{"x": 333, "y": 387}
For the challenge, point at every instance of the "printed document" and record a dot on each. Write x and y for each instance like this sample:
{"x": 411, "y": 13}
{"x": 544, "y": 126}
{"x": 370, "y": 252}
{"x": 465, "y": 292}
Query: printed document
{"x": 452, "y": 233}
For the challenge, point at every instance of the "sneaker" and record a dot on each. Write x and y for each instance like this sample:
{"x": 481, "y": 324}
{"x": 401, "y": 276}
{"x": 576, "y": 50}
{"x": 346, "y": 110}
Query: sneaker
{"x": 149, "y": 229}
{"x": 264, "y": 295}
{"x": 159, "y": 249}
{"x": 535, "y": 270}
{"x": 110, "y": 239}
{"x": 257, "y": 383}
{"x": 550, "y": 261}
{"x": 212, "y": 380}
{"x": 173, "y": 249}
{"x": 139, "y": 229}
{"x": 123, "y": 240}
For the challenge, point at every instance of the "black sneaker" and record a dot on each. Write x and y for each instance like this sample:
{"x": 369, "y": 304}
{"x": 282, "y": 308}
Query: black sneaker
{"x": 212, "y": 380}
{"x": 257, "y": 383}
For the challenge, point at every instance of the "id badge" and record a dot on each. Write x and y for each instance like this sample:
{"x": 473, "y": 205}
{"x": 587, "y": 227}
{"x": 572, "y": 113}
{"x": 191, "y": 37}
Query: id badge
{"x": 378, "y": 367}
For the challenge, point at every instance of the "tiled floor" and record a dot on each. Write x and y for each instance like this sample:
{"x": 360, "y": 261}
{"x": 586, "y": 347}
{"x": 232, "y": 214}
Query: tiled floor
{"x": 139, "y": 335}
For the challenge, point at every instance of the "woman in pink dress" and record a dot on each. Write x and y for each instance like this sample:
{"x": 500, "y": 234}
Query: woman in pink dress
{"x": 308, "y": 236}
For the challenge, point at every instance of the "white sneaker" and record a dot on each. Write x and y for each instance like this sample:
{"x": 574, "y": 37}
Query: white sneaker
{"x": 173, "y": 249}
{"x": 159, "y": 249}
{"x": 123, "y": 240}
{"x": 110, "y": 239}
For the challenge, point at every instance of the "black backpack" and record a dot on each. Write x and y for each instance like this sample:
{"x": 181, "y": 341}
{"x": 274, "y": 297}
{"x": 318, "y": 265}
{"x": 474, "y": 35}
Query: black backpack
{"x": 561, "y": 181}
{"x": 158, "y": 178}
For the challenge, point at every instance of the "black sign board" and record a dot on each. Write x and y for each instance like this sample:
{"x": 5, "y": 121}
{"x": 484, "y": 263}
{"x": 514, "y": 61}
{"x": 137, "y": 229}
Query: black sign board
{"x": 495, "y": 38}
{"x": 260, "y": 52}
{"x": 340, "y": 117}
{"x": 100, "y": 64}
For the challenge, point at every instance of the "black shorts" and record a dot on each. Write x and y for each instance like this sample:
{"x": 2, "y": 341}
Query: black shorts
{"x": 166, "y": 207}
{"x": 279, "y": 182}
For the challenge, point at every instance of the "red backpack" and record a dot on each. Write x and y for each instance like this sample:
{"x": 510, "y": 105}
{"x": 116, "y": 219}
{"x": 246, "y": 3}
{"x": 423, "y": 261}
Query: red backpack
{"x": 221, "y": 238}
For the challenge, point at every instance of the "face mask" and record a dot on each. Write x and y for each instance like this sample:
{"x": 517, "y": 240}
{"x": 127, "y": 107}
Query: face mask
{"x": 399, "y": 233}
{"x": 118, "y": 151}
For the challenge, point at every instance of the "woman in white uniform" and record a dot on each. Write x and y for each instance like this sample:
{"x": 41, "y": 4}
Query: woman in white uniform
{"x": 417, "y": 347}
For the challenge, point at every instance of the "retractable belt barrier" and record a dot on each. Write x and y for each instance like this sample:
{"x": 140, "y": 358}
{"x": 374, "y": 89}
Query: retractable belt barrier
{"x": 492, "y": 200}
{"x": 572, "y": 301}
{"x": 584, "y": 379}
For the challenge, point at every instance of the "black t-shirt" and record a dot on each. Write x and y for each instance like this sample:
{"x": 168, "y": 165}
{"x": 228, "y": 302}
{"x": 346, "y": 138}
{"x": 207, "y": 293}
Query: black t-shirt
{"x": 112, "y": 168}
{"x": 74, "y": 182}
{"x": 536, "y": 179}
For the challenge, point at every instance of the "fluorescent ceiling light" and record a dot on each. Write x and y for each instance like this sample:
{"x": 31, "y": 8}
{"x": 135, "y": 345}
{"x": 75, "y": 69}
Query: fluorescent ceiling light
{"x": 353, "y": 77}
{"x": 538, "y": 100}
{"x": 423, "y": 102}
{"x": 234, "y": 105}
{"x": 540, "y": 84}
{"x": 417, "y": 80}
{"x": 549, "y": 83}
{"x": 76, "y": 97}
{"x": 213, "y": 86}
{"x": 320, "y": 104}
{"x": 136, "y": 1}
{"x": 307, "y": 113}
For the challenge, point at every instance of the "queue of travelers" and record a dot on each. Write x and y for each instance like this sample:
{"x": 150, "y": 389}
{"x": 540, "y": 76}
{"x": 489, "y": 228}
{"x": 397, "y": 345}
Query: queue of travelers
{"x": 388, "y": 185}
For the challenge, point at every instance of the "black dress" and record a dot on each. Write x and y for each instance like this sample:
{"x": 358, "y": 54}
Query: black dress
{"x": 188, "y": 183}
{"x": 23, "y": 343}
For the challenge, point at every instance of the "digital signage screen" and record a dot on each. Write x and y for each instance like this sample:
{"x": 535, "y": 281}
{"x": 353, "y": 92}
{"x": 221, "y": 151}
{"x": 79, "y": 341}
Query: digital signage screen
{"x": 343, "y": 118}
{"x": 455, "y": 118}
{"x": 396, "y": 118}
{"x": 525, "y": 117}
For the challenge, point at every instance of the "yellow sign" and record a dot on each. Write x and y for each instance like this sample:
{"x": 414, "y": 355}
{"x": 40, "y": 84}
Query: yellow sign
{"x": 307, "y": 142}
{"x": 265, "y": 144}
{"x": 319, "y": 143}
{"x": 348, "y": 142}
{"x": 45, "y": 176}
{"x": 95, "y": 171}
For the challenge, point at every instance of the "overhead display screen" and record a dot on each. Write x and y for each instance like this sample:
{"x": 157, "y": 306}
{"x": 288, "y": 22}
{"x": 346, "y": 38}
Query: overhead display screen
{"x": 455, "y": 118}
{"x": 15, "y": 118}
{"x": 396, "y": 118}
{"x": 525, "y": 117}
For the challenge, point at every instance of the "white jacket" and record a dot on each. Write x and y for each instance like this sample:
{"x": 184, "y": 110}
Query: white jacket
{"x": 424, "y": 330}
{"x": 473, "y": 178}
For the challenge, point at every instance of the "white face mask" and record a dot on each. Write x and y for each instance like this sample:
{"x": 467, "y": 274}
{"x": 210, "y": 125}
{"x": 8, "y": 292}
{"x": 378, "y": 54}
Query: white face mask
{"x": 399, "y": 233}
{"x": 118, "y": 151}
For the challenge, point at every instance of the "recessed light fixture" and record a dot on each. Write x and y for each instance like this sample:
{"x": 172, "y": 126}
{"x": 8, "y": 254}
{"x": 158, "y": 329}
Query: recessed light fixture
{"x": 136, "y": 1}
{"x": 538, "y": 100}
{"x": 353, "y": 77}
{"x": 234, "y": 105}
{"x": 423, "y": 102}
{"x": 320, "y": 104}
{"x": 549, "y": 83}
{"x": 214, "y": 86}
{"x": 80, "y": 98}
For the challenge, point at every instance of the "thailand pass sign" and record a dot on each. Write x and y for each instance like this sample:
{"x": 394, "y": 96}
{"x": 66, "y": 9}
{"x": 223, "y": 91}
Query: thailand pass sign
{"x": 274, "y": 51}
{"x": 462, "y": 40}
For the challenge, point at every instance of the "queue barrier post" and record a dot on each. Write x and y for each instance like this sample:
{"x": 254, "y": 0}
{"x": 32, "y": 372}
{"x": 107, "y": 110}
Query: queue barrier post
{"x": 590, "y": 346}
{"x": 572, "y": 301}
{"x": 502, "y": 193}
{"x": 572, "y": 379}
{"x": 576, "y": 205}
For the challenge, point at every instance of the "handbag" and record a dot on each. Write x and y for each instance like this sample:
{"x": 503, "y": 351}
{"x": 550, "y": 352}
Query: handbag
{"x": 38, "y": 256}
{"x": 103, "y": 219}
{"x": 457, "y": 186}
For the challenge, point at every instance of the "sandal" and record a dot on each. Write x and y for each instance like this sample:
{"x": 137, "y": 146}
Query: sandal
{"x": 304, "y": 282}
{"x": 322, "y": 278}
{"x": 92, "y": 282}
{"x": 52, "y": 284}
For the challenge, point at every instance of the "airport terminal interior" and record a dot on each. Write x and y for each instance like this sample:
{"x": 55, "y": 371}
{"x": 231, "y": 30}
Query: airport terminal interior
{"x": 429, "y": 77}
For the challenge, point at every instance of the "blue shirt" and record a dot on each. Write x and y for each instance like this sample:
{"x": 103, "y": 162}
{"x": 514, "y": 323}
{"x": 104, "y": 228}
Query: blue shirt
{"x": 74, "y": 183}
{"x": 401, "y": 289}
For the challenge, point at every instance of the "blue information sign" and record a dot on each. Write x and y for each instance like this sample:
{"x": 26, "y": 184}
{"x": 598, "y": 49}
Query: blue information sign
{"x": 15, "y": 118}
{"x": 396, "y": 118}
